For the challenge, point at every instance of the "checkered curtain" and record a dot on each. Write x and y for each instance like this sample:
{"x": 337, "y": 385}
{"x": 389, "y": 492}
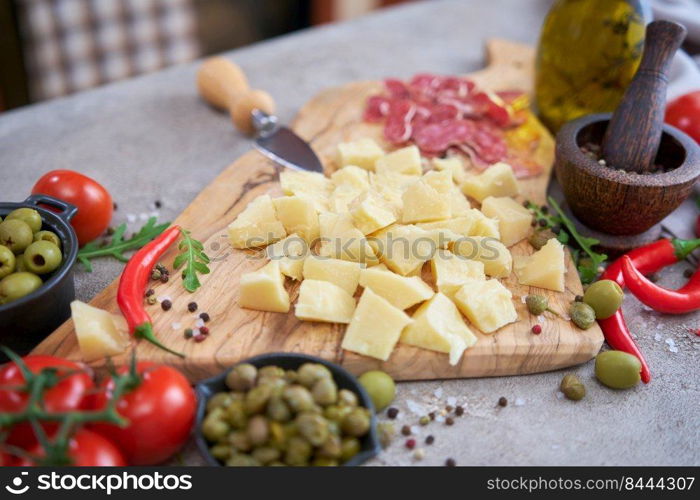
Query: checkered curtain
{"x": 72, "y": 45}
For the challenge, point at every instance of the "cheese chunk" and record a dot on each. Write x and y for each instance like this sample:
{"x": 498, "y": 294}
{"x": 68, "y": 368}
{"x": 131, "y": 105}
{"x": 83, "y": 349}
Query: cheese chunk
{"x": 363, "y": 153}
{"x": 484, "y": 226}
{"x": 264, "y": 289}
{"x": 404, "y": 249}
{"x": 310, "y": 185}
{"x": 393, "y": 180}
{"x": 100, "y": 333}
{"x": 545, "y": 268}
{"x": 370, "y": 213}
{"x": 375, "y": 327}
{"x": 402, "y": 292}
{"x": 451, "y": 271}
{"x": 440, "y": 181}
{"x": 459, "y": 205}
{"x": 351, "y": 175}
{"x": 438, "y": 326}
{"x": 487, "y": 304}
{"x": 460, "y": 225}
{"x": 423, "y": 203}
{"x": 291, "y": 253}
{"x": 496, "y": 258}
{"x": 403, "y": 161}
{"x": 496, "y": 180}
{"x": 514, "y": 220}
{"x": 340, "y": 239}
{"x": 298, "y": 215}
{"x": 257, "y": 225}
{"x": 341, "y": 198}
{"x": 453, "y": 165}
{"x": 324, "y": 301}
{"x": 341, "y": 273}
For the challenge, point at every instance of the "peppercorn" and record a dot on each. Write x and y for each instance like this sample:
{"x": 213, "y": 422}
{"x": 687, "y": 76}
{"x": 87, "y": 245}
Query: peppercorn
{"x": 687, "y": 273}
{"x": 164, "y": 278}
{"x": 166, "y": 305}
{"x": 158, "y": 204}
{"x": 544, "y": 209}
{"x": 203, "y": 330}
{"x": 450, "y": 462}
{"x": 432, "y": 415}
{"x": 204, "y": 317}
{"x": 459, "y": 411}
{"x": 392, "y": 412}
{"x": 150, "y": 292}
{"x": 572, "y": 387}
{"x": 542, "y": 223}
{"x": 449, "y": 408}
{"x": 430, "y": 439}
{"x": 502, "y": 401}
{"x": 192, "y": 307}
{"x": 556, "y": 228}
{"x": 115, "y": 206}
{"x": 578, "y": 298}
{"x": 536, "y": 329}
{"x": 410, "y": 443}
{"x": 110, "y": 231}
{"x": 526, "y": 203}
{"x": 151, "y": 300}
{"x": 406, "y": 430}
{"x": 425, "y": 420}
{"x": 200, "y": 338}
{"x": 449, "y": 421}
{"x": 188, "y": 333}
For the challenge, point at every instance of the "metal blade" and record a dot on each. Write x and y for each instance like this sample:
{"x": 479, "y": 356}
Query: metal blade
{"x": 286, "y": 148}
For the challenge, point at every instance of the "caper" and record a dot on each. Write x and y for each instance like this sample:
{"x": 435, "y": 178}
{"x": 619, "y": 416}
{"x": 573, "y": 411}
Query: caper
{"x": 350, "y": 447}
{"x": 240, "y": 441}
{"x": 347, "y": 398}
{"x": 617, "y": 369}
{"x": 298, "y": 398}
{"x": 572, "y": 387}
{"x": 538, "y": 304}
{"x": 324, "y": 462}
{"x": 258, "y": 430}
{"x": 605, "y": 297}
{"x": 236, "y": 414}
{"x": 220, "y": 451}
{"x": 356, "y": 423}
{"x": 312, "y": 427}
{"x": 266, "y": 454}
{"x": 220, "y": 399}
{"x": 214, "y": 429}
{"x": 242, "y": 377}
{"x": 298, "y": 451}
{"x": 310, "y": 373}
{"x": 380, "y": 387}
{"x": 278, "y": 410}
{"x": 271, "y": 371}
{"x": 278, "y": 437}
{"x": 256, "y": 399}
{"x": 241, "y": 460}
{"x": 332, "y": 447}
{"x": 325, "y": 392}
{"x": 28, "y": 215}
{"x": 582, "y": 315}
{"x": 386, "y": 432}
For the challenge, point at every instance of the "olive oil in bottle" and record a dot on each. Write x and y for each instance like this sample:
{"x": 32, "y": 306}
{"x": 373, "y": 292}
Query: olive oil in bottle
{"x": 588, "y": 53}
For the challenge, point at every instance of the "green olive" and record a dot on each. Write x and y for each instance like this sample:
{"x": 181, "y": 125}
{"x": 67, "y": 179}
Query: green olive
{"x": 617, "y": 369}
{"x": 314, "y": 428}
{"x": 221, "y": 451}
{"x": 48, "y": 236}
{"x": 298, "y": 451}
{"x": 310, "y": 373}
{"x": 582, "y": 315}
{"x": 242, "y": 377}
{"x": 380, "y": 386}
{"x": 20, "y": 266}
{"x": 347, "y": 398}
{"x": 220, "y": 399}
{"x": 214, "y": 429}
{"x": 28, "y": 215}
{"x": 42, "y": 257}
{"x": 7, "y": 261}
{"x": 350, "y": 448}
{"x": 16, "y": 235}
{"x": 357, "y": 422}
{"x": 605, "y": 297}
{"x": 325, "y": 392}
{"x": 17, "y": 285}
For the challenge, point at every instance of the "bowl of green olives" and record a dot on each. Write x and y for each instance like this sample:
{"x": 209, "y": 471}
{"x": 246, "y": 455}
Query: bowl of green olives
{"x": 285, "y": 409}
{"x": 38, "y": 247}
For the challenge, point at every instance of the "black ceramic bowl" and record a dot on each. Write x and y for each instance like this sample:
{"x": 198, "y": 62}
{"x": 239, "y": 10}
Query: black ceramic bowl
{"x": 289, "y": 361}
{"x": 25, "y": 322}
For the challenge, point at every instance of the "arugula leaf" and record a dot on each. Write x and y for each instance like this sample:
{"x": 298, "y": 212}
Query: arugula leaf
{"x": 118, "y": 245}
{"x": 193, "y": 255}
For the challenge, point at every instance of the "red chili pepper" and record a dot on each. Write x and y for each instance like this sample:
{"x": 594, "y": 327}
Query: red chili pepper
{"x": 684, "y": 300}
{"x": 133, "y": 283}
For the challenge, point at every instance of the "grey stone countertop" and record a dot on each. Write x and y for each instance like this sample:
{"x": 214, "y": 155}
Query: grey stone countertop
{"x": 151, "y": 138}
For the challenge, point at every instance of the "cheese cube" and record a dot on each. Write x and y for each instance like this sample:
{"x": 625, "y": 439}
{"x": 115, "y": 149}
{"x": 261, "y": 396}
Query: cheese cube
{"x": 298, "y": 215}
{"x": 341, "y": 273}
{"x": 438, "y": 326}
{"x": 403, "y": 161}
{"x": 545, "y": 268}
{"x": 257, "y": 225}
{"x": 340, "y": 239}
{"x": 100, "y": 333}
{"x": 423, "y": 203}
{"x": 451, "y": 271}
{"x": 341, "y": 198}
{"x": 484, "y": 226}
{"x": 513, "y": 219}
{"x": 375, "y": 327}
{"x": 264, "y": 289}
{"x": 370, "y": 212}
{"x": 496, "y": 180}
{"x": 453, "y": 165}
{"x": 310, "y": 185}
{"x": 440, "y": 181}
{"x": 459, "y": 205}
{"x": 362, "y": 153}
{"x": 404, "y": 249}
{"x": 487, "y": 304}
{"x": 393, "y": 180}
{"x": 402, "y": 292}
{"x": 351, "y": 175}
{"x": 324, "y": 301}
{"x": 460, "y": 225}
{"x": 291, "y": 253}
{"x": 496, "y": 258}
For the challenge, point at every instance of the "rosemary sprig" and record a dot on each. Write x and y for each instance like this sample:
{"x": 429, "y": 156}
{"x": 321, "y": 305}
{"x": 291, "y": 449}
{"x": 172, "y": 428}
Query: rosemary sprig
{"x": 195, "y": 259}
{"x": 118, "y": 245}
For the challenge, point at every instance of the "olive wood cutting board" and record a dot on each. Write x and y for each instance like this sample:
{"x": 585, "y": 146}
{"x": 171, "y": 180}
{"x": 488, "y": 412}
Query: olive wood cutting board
{"x": 331, "y": 117}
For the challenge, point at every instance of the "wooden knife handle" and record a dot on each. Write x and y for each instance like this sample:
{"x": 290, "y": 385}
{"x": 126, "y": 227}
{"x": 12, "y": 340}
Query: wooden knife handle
{"x": 634, "y": 133}
{"x": 223, "y": 84}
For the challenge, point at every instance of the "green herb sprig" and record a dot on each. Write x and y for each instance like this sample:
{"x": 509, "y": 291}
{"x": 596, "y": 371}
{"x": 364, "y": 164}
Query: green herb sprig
{"x": 587, "y": 260}
{"x": 195, "y": 259}
{"x": 118, "y": 245}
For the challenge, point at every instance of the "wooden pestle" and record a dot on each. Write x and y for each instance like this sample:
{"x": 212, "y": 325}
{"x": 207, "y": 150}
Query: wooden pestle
{"x": 634, "y": 132}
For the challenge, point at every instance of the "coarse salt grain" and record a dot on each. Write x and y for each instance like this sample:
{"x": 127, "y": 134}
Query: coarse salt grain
{"x": 519, "y": 402}
{"x": 143, "y": 216}
{"x": 199, "y": 323}
{"x": 176, "y": 325}
{"x": 438, "y": 392}
{"x": 439, "y": 419}
{"x": 414, "y": 407}
{"x": 161, "y": 298}
{"x": 452, "y": 401}
{"x": 658, "y": 337}
{"x": 560, "y": 395}
{"x": 130, "y": 218}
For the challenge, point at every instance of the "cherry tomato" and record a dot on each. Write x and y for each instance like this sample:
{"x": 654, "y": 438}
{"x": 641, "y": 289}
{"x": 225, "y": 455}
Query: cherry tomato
{"x": 85, "y": 449}
{"x": 684, "y": 113}
{"x": 93, "y": 201}
{"x": 160, "y": 410}
{"x": 71, "y": 393}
